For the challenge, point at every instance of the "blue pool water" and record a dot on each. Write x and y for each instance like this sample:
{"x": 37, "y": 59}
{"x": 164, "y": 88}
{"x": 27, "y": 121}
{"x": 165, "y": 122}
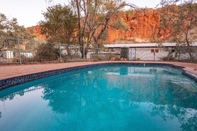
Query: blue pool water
{"x": 103, "y": 98}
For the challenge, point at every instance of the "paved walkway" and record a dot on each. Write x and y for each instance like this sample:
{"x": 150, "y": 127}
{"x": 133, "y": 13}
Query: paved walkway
{"x": 18, "y": 70}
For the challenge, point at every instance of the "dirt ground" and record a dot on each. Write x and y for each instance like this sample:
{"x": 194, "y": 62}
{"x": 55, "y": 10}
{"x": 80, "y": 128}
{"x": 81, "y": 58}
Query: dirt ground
{"x": 19, "y": 70}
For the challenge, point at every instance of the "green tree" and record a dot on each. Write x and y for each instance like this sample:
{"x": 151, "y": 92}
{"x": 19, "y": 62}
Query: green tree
{"x": 94, "y": 17}
{"x": 3, "y": 21}
{"x": 97, "y": 16}
{"x": 60, "y": 25}
{"x": 178, "y": 20}
{"x": 10, "y": 31}
{"x": 11, "y": 28}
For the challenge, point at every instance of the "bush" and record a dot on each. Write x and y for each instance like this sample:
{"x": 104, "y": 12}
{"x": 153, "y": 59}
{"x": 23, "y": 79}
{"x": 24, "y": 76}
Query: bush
{"x": 47, "y": 52}
{"x": 167, "y": 58}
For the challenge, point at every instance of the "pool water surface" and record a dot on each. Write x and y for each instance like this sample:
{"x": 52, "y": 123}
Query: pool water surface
{"x": 103, "y": 98}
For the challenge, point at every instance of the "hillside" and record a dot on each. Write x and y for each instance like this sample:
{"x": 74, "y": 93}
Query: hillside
{"x": 37, "y": 32}
{"x": 143, "y": 26}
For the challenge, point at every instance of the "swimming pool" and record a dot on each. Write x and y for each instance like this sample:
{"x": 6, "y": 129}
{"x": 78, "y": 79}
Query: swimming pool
{"x": 106, "y": 97}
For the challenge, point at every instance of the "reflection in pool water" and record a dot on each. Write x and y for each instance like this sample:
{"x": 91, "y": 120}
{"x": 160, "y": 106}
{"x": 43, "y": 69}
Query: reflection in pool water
{"x": 103, "y": 98}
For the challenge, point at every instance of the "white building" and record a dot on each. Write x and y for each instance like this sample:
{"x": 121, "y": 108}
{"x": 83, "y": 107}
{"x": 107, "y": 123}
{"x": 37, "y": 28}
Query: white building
{"x": 27, "y": 54}
{"x": 8, "y": 54}
{"x": 152, "y": 51}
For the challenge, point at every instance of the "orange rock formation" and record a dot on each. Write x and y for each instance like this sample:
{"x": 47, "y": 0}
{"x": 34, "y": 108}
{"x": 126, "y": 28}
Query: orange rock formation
{"x": 37, "y": 32}
{"x": 143, "y": 27}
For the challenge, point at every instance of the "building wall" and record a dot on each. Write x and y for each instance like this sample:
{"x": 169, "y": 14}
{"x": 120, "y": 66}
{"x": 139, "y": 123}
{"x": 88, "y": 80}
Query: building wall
{"x": 146, "y": 54}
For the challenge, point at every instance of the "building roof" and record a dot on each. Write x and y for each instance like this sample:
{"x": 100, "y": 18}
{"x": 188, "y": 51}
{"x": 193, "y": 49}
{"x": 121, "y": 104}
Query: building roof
{"x": 143, "y": 45}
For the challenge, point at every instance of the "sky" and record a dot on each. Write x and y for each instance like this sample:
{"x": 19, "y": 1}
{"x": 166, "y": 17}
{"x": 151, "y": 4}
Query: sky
{"x": 29, "y": 12}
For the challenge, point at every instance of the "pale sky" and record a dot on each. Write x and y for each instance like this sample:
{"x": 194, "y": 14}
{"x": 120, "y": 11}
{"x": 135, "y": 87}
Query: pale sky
{"x": 29, "y": 12}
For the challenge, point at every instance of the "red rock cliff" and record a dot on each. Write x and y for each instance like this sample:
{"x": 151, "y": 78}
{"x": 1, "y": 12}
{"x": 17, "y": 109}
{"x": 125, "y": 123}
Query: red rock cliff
{"x": 37, "y": 32}
{"x": 142, "y": 27}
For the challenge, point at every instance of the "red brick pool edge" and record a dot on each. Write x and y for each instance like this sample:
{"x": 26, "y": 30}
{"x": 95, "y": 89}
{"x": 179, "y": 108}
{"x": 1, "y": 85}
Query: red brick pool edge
{"x": 19, "y": 70}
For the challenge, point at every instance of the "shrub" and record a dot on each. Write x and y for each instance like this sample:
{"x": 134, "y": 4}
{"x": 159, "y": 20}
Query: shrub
{"x": 47, "y": 52}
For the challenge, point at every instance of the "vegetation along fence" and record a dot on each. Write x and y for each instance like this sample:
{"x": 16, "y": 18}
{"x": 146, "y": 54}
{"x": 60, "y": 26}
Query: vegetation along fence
{"x": 12, "y": 51}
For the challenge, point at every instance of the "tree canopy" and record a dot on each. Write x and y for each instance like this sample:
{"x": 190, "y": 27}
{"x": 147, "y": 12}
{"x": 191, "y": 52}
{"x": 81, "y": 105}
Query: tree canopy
{"x": 60, "y": 24}
{"x": 91, "y": 18}
{"x": 10, "y": 30}
{"x": 95, "y": 17}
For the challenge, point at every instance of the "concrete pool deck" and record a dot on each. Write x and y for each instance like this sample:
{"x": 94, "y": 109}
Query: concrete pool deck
{"x": 19, "y": 70}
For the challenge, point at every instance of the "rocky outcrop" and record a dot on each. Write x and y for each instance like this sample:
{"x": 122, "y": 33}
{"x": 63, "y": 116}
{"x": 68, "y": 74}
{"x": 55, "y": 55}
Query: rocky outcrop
{"x": 143, "y": 26}
{"x": 37, "y": 32}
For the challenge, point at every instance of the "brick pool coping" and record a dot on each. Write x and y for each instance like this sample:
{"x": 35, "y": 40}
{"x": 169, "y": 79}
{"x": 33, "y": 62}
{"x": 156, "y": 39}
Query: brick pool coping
{"x": 16, "y": 74}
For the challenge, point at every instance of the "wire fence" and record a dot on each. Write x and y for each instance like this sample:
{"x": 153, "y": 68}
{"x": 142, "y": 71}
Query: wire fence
{"x": 185, "y": 54}
{"x": 12, "y": 51}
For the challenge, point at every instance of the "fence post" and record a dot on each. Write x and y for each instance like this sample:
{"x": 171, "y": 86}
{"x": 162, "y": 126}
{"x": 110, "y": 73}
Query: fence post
{"x": 60, "y": 52}
{"x": 84, "y": 52}
{"x": 168, "y": 54}
{"x": 179, "y": 54}
{"x": 20, "y": 61}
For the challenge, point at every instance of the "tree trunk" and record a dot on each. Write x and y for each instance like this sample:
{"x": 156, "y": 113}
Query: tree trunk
{"x": 79, "y": 28}
{"x": 96, "y": 45}
{"x": 189, "y": 48}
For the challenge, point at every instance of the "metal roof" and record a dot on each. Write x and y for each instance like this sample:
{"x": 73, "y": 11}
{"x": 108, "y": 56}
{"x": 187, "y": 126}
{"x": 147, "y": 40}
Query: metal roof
{"x": 142, "y": 45}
